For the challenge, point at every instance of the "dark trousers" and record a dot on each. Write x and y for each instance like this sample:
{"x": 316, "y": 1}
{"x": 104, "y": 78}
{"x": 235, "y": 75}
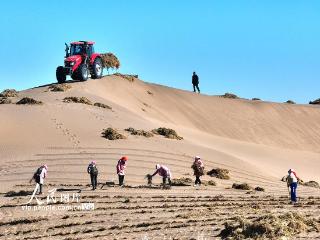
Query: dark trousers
{"x": 40, "y": 185}
{"x": 94, "y": 181}
{"x": 121, "y": 179}
{"x": 164, "y": 180}
{"x": 198, "y": 181}
{"x": 196, "y": 86}
{"x": 293, "y": 187}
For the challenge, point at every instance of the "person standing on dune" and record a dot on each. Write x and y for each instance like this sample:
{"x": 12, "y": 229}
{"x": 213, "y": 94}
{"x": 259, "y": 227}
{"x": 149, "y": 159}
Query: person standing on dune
{"x": 93, "y": 171}
{"x": 121, "y": 166}
{"x": 292, "y": 182}
{"x": 164, "y": 172}
{"x": 195, "y": 82}
{"x": 198, "y": 169}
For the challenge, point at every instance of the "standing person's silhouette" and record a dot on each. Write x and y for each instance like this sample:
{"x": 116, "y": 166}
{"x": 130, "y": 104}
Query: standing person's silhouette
{"x": 195, "y": 82}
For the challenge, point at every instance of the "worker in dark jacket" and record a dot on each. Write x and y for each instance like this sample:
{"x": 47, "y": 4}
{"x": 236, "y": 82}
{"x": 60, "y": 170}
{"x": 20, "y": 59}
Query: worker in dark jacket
{"x": 93, "y": 171}
{"x": 195, "y": 82}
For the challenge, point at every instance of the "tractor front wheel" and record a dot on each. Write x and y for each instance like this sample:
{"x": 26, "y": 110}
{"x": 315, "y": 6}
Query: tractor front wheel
{"x": 60, "y": 74}
{"x": 97, "y": 69}
{"x": 83, "y": 72}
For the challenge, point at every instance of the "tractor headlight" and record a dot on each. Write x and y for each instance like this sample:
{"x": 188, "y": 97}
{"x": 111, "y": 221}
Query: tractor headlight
{"x": 72, "y": 63}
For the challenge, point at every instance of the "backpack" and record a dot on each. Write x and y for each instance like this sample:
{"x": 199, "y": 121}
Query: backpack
{"x": 93, "y": 169}
{"x": 38, "y": 173}
{"x": 289, "y": 179}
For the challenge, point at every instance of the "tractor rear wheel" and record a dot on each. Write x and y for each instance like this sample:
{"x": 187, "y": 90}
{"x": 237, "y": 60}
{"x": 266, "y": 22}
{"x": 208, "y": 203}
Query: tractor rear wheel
{"x": 60, "y": 74}
{"x": 83, "y": 72}
{"x": 97, "y": 68}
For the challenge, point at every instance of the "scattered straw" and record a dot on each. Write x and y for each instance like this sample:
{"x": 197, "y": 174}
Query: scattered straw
{"x": 101, "y": 105}
{"x": 9, "y": 93}
{"x": 29, "y": 101}
{"x": 167, "y": 132}
{"x": 59, "y": 87}
{"x": 241, "y": 186}
{"x": 112, "y": 134}
{"x": 139, "y": 132}
{"x": 83, "y": 100}
{"x": 219, "y": 173}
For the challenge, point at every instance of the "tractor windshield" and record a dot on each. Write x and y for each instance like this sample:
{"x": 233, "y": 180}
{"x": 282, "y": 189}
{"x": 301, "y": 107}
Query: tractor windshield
{"x": 76, "y": 50}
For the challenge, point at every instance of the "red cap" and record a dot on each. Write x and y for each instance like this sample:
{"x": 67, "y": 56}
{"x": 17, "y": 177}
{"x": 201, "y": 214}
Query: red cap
{"x": 124, "y": 158}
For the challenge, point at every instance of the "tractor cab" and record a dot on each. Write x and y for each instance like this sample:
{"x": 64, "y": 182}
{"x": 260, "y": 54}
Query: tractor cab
{"x": 81, "y": 48}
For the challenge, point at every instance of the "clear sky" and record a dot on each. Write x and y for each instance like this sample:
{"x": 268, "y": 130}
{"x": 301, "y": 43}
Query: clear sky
{"x": 264, "y": 48}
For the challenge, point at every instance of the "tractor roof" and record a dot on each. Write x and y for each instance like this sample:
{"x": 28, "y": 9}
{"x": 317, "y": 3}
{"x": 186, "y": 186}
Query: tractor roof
{"x": 82, "y": 42}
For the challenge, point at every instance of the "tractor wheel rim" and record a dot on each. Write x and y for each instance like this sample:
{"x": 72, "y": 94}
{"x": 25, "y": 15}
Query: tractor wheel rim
{"x": 98, "y": 69}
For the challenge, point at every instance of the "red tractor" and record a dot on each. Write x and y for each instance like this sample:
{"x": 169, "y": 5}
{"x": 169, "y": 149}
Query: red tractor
{"x": 79, "y": 62}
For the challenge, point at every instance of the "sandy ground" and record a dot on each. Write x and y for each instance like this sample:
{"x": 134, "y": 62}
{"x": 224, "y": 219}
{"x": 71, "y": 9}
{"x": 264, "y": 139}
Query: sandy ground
{"x": 256, "y": 141}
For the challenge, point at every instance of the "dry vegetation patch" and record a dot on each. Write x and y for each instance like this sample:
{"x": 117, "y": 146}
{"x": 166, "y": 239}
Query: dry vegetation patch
{"x": 229, "y": 95}
{"x": 317, "y": 101}
{"x": 209, "y": 183}
{"x": 139, "y": 132}
{"x": 259, "y": 189}
{"x": 83, "y": 100}
{"x": 290, "y": 102}
{"x": 241, "y": 186}
{"x": 130, "y": 78}
{"x": 102, "y": 105}
{"x": 29, "y": 101}
{"x": 5, "y": 100}
{"x": 9, "y": 93}
{"x": 219, "y": 173}
{"x": 112, "y": 134}
{"x": 181, "y": 181}
{"x": 269, "y": 227}
{"x": 311, "y": 184}
{"x": 59, "y": 87}
{"x": 18, "y": 194}
{"x": 167, "y": 132}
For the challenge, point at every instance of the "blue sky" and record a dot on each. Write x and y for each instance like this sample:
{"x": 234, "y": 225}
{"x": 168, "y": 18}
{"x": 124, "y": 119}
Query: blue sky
{"x": 267, "y": 49}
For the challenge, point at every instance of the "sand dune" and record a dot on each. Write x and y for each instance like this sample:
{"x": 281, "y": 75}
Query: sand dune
{"x": 257, "y": 141}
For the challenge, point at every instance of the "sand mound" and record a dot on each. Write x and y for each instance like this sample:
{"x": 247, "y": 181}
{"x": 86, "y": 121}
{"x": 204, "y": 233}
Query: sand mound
{"x": 59, "y": 87}
{"x": 317, "y": 101}
{"x": 290, "y": 102}
{"x": 219, "y": 173}
{"x": 229, "y": 95}
{"x": 102, "y": 105}
{"x": 9, "y": 93}
{"x": 29, "y": 101}
{"x": 269, "y": 227}
{"x": 5, "y": 101}
{"x": 83, "y": 100}
{"x": 181, "y": 182}
{"x": 311, "y": 184}
{"x": 130, "y": 78}
{"x": 139, "y": 132}
{"x": 241, "y": 186}
{"x": 109, "y": 60}
{"x": 112, "y": 134}
{"x": 167, "y": 132}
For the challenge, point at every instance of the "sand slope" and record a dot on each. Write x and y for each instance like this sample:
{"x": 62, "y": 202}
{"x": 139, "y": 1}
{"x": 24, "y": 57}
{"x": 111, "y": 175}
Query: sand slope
{"x": 263, "y": 138}
{"x": 257, "y": 141}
